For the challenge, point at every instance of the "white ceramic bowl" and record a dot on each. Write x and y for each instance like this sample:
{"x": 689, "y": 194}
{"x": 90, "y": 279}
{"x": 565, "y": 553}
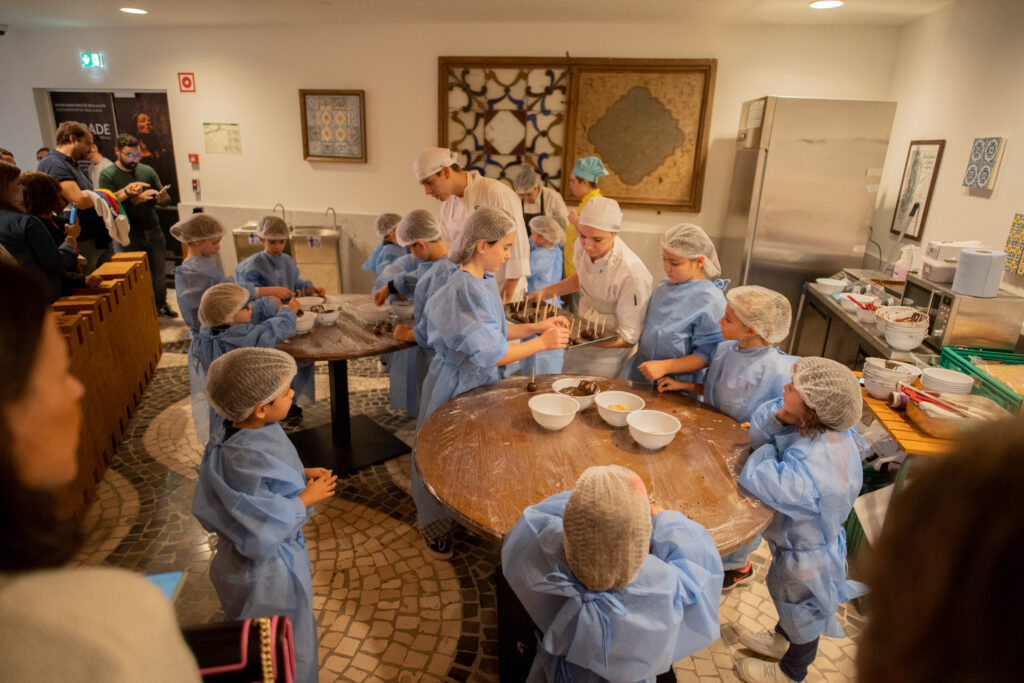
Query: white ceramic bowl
{"x": 879, "y": 389}
{"x": 905, "y": 341}
{"x": 866, "y": 315}
{"x": 652, "y": 428}
{"x": 306, "y": 302}
{"x": 329, "y": 316}
{"x": 305, "y": 322}
{"x": 946, "y": 381}
{"x": 830, "y": 286}
{"x": 403, "y": 309}
{"x": 565, "y": 383}
{"x": 614, "y": 417}
{"x": 553, "y": 411}
{"x": 876, "y": 368}
{"x": 372, "y": 313}
{"x": 846, "y": 301}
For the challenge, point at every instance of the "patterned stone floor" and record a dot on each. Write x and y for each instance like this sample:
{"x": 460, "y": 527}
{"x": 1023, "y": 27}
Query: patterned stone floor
{"x": 386, "y": 609}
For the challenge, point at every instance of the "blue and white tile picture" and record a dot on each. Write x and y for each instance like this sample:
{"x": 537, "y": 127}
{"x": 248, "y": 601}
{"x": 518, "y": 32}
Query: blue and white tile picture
{"x": 984, "y": 162}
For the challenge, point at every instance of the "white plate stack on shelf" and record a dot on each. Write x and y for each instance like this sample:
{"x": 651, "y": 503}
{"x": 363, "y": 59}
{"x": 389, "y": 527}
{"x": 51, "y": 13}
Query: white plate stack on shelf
{"x": 881, "y": 376}
{"x": 946, "y": 381}
{"x": 905, "y": 327}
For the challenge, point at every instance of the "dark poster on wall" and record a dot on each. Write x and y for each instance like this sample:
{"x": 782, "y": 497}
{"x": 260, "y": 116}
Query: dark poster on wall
{"x": 95, "y": 110}
{"x": 147, "y": 117}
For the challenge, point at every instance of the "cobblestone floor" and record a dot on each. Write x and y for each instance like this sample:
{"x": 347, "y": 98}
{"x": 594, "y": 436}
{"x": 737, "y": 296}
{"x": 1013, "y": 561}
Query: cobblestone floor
{"x": 386, "y": 609}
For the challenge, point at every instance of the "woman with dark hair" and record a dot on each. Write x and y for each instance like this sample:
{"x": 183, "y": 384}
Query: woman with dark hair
{"x": 89, "y": 624}
{"x": 26, "y": 237}
{"x": 943, "y": 607}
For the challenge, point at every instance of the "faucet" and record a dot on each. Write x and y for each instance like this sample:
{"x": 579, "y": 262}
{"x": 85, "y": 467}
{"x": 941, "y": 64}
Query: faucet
{"x": 283, "y": 214}
{"x": 334, "y": 216}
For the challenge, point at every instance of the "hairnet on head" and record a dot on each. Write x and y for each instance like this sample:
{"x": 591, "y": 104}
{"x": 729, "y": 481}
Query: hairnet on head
{"x": 602, "y": 213}
{"x": 221, "y": 302}
{"x": 196, "y": 228}
{"x": 831, "y": 389}
{"x": 417, "y": 225}
{"x": 486, "y": 223}
{"x": 431, "y": 160}
{"x": 242, "y": 379}
{"x": 589, "y": 168}
{"x": 690, "y": 241}
{"x": 272, "y": 228}
{"x": 607, "y": 527}
{"x": 767, "y": 311}
{"x": 548, "y": 228}
{"x": 526, "y": 180}
{"x": 386, "y": 222}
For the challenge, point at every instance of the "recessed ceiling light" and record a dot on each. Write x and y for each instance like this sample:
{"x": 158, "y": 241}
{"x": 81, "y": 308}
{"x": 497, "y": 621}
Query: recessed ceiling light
{"x": 826, "y": 4}
{"x": 133, "y": 10}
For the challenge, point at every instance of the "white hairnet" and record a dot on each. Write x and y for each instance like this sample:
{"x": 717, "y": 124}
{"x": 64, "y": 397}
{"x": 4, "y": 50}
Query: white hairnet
{"x": 196, "y": 228}
{"x": 386, "y": 222}
{"x": 831, "y": 389}
{"x": 767, "y": 311}
{"x": 603, "y": 214}
{"x": 221, "y": 302}
{"x": 486, "y": 223}
{"x": 242, "y": 379}
{"x": 431, "y": 160}
{"x": 690, "y": 241}
{"x": 272, "y": 228}
{"x": 417, "y": 225}
{"x": 526, "y": 180}
{"x": 548, "y": 228}
{"x": 607, "y": 527}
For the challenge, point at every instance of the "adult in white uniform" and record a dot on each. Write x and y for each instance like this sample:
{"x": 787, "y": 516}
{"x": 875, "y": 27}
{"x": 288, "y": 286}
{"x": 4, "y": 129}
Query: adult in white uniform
{"x": 613, "y": 283}
{"x": 539, "y": 200}
{"x": 463, "y": 192}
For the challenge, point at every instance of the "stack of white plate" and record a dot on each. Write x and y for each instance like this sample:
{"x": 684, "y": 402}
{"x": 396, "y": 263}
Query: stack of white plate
{"x": 881, "y": 375}
{"x": 946, "y": 381}
{"x": 904, "y": 331}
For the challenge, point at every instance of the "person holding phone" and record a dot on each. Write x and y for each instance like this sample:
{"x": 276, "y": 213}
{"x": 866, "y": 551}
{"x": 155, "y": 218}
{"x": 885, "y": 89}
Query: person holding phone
{"x": 145, "y": 234}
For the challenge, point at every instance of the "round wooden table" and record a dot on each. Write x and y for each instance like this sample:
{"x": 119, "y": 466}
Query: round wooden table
{"x": 485, "y": 459}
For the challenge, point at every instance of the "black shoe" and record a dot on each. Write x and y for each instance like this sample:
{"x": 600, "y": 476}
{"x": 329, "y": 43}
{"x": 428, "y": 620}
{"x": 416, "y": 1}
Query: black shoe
{"x": 440, "y": 547}
{"x": 737, "y": 576}
{"x": 166, "y": 311}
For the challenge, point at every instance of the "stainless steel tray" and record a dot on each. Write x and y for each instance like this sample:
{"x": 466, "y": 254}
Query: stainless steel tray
{"x": 523, "y": 312}
{"x": 954, "y": 427}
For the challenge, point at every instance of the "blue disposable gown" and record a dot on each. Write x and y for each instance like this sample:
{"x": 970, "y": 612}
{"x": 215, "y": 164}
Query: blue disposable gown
{"x": 739, "y": 380}
{"x": 435, "y": 278}
{"x": 668, "y": 612}
{"x": 404, "y": 390}
{"x": 682, "y": 318}
{"x": 812, "y": 483}
{"x": 545, "y": 269}
{"x": 265, "y": 270}
{"x": 467, "y": 330}
{"x": 210, "y": 344}
{"x": 398, "y": 268}
{"x": 248, "y": 494}
{"x": 193, "y": 277}
{"x": 382, "y": 255}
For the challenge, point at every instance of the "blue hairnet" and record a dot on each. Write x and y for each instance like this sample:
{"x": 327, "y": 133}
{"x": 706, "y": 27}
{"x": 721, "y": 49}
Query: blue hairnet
{"x": 589, "y": 168}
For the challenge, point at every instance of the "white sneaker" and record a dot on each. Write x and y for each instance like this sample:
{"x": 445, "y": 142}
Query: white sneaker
{"x": 769, "y": 644}
{"x": 753, "y": 670}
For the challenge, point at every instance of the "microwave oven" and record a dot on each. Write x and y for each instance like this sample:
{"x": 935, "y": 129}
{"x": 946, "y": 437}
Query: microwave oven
{"x": 960, "y": 320}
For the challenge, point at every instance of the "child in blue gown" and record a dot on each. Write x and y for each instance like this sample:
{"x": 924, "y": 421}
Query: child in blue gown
{"x": 201, "y": 234}
{"x": 807, "y": 467}
{"x": 619, "y": 589}
{"x": 467, "y": 331}
{"x": 681, "y": 330}
{"x": 227, "y": 324}
{"x": 254, "y": 493}
{"x": 387, "y": 251}
{"x": 546, "y": 238}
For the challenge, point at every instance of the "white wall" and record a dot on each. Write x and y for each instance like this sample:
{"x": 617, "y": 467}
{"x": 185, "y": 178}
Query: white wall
{"x": 251, "y": 75}
{"x": 958, "y": 75}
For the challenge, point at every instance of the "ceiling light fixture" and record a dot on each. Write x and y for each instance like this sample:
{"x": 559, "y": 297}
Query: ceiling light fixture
{"x": 133, "y": 10}
{"x": 826, "y": 4}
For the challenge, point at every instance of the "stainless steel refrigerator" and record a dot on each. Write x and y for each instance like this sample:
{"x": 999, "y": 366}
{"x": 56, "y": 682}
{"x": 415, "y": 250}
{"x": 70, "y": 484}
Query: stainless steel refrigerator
{"x": 804, "y": 185}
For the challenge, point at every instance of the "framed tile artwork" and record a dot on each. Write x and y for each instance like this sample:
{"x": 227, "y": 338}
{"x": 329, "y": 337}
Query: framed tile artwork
{"x": 986, "y": 153}
{"x": 333, "y": 125}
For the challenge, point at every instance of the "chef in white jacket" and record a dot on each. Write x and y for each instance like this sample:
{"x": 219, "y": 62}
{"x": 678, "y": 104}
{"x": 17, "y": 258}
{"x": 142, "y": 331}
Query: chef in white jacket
{"x": 614, "y": 285}
{"x": 463, "y": 192}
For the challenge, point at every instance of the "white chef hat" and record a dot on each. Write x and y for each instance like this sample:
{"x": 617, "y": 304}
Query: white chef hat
{"x": 431, "y": 160}
{"x": 602, "y": 213}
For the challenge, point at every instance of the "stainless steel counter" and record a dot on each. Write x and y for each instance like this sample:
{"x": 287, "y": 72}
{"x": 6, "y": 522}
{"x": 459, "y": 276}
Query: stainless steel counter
{"x": 824, "y": 328}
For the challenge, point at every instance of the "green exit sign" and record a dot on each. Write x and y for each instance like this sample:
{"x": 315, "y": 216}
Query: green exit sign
{"x": 92, "y": 60}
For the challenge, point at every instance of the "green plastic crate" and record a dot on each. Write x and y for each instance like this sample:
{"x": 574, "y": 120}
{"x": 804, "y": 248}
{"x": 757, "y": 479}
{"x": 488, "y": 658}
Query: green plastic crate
{"x": 958, "y": 358}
